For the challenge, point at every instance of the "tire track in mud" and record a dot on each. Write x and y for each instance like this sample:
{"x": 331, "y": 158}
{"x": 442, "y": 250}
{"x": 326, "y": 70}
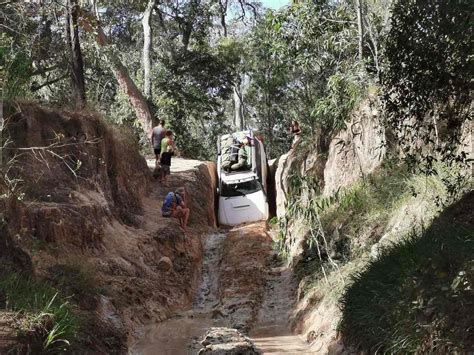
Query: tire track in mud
{"x": 179, "y": 335}
{"x": 243, "y": 286}
{"x": 207, "y": 297}
{"x": 272, "y": 333}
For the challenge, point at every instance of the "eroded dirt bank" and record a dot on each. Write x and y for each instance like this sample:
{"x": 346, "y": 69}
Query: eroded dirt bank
{"x": 90, "y": 208}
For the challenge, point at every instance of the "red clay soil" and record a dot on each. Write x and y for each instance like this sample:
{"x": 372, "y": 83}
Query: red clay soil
{"x": 89, "y": 203}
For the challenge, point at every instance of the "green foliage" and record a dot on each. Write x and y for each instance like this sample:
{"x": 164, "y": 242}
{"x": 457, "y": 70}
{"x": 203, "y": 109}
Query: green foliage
{"x": 369, "y": 203}
{"x": 332, "y": 111}
{"x": 427, "y": 79}
{"x": 15, "y": 68}
{"x": 346, "y": 225}
{"x": 302, "y": 65}
{"x": 46, "y": 322}
{"x": 417, "y": 297}
{"x": 192, "y": 84}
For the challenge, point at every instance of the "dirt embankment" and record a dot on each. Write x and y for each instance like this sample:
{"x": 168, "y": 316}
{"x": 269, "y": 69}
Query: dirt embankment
{"x": 86, "y": 203}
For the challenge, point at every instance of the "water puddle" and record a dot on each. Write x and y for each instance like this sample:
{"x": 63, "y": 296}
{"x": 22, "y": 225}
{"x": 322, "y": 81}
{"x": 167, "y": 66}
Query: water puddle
{"x": 180, "y": 335}
{"x": 272, "y": 332}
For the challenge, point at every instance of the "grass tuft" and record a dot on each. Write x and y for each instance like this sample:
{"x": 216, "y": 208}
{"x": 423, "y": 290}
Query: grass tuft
{"x": 75, "y": 279}
{"x": 45, "y": 321}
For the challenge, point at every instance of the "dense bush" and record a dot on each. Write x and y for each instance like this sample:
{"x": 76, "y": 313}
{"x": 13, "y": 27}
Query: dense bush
{"x": 427, "y": 78}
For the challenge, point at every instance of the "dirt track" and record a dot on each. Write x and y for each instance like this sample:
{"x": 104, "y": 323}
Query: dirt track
{"x": 243, "y": 286}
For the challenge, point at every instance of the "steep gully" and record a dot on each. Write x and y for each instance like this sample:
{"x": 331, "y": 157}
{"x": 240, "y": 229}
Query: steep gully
{"x": 243, "y": 285}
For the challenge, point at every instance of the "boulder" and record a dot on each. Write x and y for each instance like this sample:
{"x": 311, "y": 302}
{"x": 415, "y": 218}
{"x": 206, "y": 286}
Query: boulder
{"x": 357, "y": 150}
{"x": 227, "y": 341}
{"x": 165, "y": 264}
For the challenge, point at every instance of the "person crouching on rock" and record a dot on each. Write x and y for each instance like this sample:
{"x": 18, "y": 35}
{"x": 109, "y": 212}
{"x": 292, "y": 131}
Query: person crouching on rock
{"x": 167, "y": 151}
{"x": 175, "y": 206}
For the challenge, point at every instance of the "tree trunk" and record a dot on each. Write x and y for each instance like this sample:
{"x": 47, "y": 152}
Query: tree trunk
{"x": 223, "y": 13}
{"x": 147, "y": 48}
{"x": 238, "y": 107}
{"x": 77, "y": 65}
{"x": 360, "y": 26}
{"x": 93, "y": 3}
{"x": 127, "y": 85}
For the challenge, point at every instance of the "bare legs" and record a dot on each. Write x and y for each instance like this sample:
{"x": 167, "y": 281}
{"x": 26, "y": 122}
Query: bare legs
{"x": 182, "y": 213}
{"x": 165, "y": 172}
{"x": 164, "y": 178}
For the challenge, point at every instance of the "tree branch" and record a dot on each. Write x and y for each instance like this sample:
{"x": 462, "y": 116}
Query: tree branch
{"x": 50, "y": 82}
{"x": 44, "y": 70}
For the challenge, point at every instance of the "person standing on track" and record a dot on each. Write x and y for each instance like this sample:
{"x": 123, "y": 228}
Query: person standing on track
{"x": 167, "y": 151}
{"x": 157, "y": 134}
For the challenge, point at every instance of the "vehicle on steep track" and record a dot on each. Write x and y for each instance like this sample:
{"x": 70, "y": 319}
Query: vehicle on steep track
{"x": 242, "y": 178}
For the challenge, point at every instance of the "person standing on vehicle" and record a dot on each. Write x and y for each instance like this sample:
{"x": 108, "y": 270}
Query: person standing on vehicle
{"x": 157, "y": 134}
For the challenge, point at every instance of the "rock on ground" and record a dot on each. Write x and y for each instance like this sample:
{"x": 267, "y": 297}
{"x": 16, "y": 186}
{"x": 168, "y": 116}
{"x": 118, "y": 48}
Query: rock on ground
{"x": 227, "y": 341}
{"x": 165, "y": 264}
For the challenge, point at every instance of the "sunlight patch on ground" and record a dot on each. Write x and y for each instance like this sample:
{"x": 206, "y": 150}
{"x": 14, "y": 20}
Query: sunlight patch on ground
{"x": 177, "y": 164}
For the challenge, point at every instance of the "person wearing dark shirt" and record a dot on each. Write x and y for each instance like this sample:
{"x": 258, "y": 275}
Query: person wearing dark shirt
{"x": 157, "y": 134}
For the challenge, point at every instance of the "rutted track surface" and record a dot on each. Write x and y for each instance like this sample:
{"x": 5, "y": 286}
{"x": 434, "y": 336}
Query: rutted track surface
{"x": 242, "y": 286}
{"x": 272, "y": 333}
{"x": 176, "y": 335}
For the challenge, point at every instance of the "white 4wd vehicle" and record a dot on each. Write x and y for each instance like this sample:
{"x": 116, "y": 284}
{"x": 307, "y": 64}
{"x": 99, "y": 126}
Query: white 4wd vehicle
{"x": 242, "y": 193}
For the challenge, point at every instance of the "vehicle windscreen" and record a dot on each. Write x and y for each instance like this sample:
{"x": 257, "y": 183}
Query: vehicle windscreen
{"x": 240, "y": 189}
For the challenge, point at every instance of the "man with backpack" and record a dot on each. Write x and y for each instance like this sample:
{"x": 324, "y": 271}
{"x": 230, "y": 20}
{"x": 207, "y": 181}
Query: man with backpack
{"x": 175, "y": 206}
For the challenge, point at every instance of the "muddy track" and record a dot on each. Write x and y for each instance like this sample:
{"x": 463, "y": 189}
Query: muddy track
{"x": 243, "y": 286}
{"x": 179, "y": 334}
{"x": 272, "y": 333}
